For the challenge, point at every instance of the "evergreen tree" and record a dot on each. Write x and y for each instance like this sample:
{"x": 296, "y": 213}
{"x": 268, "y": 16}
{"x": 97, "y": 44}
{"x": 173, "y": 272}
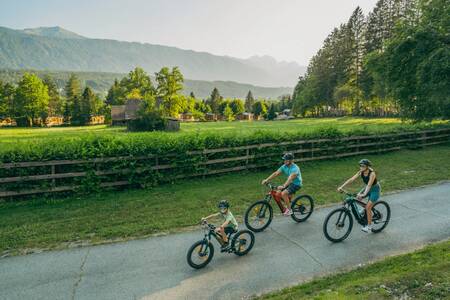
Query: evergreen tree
{"x": 271, "y": 115}
{"x": 249, "y": 102}
{"x": 7, "y": 92}
{"x": 56, "y": 104}
{"x": 214, "y": 101}
{"x": 192, "y": 95}
{"x": 259, "y": 108}
{"x": 73, "y": 93}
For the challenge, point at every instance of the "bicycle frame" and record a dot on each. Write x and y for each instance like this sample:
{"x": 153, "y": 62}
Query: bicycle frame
{"x": 212, "y": 233}
{"x": 351, "y": 204}
{"x": 276, "y": 195}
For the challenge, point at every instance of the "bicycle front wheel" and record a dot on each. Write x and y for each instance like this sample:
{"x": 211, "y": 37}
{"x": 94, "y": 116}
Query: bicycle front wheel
{"x": 302, "y": 208}
{"x": 258, "y": 216}
{"x": 338, "y": 225}
{"x": 200, "y": 254}
{"x": 381, "y": 214}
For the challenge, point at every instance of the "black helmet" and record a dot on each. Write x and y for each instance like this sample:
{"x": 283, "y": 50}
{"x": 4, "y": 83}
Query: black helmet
{"x": 365, "y": 162}
{"x": 288, "y": 156}
{"x": 223, "y": 204}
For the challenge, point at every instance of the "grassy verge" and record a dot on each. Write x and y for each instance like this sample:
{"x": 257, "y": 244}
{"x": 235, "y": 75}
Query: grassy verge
{"x": 424, "y": 274}
{"x": 43, "y": 223}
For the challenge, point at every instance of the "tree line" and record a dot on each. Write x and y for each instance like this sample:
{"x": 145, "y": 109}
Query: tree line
{"x": 394, "y": 61}
{"x": 166, "y": 98}
{"x": 33, "y": 99}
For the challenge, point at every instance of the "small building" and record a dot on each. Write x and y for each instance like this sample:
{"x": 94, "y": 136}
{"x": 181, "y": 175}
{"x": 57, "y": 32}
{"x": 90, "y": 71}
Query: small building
{"x": 211, "y": 117}
{"x": 172, "y": 124}
{"x": 54, "y": 121}
{"x": 286, "y": 114}
{"x": 121, "y": 114}
{"x": 96, "y": 120}
{"x": 187, "y": 117}
{"x": 7, "y": 122}
{"x": 245, "y": 116}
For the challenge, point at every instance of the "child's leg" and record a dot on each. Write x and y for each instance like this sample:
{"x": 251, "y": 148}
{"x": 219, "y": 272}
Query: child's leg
{"x": 223, "y": 234}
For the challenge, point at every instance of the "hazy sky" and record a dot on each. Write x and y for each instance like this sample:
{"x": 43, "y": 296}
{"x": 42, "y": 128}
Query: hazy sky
{"x": 291, "y": 30}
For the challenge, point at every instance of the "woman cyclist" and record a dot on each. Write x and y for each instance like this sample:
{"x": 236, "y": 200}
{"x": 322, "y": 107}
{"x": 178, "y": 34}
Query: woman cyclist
{"x": 371, "y": 190}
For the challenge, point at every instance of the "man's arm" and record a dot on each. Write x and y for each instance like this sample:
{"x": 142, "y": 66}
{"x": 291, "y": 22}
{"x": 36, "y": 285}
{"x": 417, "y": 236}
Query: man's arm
{"x": 289, "y": 180}
{"x": 274, "y": 174}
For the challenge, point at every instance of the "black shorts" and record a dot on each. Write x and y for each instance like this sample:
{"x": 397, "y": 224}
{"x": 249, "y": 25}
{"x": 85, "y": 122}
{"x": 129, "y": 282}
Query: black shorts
{"x": 229, "y": 230}
{"x": 292, "y": 188}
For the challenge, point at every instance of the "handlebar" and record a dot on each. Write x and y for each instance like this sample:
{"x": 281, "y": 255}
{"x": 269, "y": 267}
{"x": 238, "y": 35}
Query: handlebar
{"x": 205, "y": 224}
{"x": 348, "y": 193}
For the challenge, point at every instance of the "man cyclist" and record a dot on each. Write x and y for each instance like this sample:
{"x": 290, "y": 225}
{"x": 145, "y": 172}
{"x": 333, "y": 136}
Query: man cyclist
{"x": 293, "y": 182}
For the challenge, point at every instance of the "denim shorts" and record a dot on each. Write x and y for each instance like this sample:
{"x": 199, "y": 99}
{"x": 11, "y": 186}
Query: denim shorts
{"x": 374, "y": 193}
{"x": 292, "y": 188}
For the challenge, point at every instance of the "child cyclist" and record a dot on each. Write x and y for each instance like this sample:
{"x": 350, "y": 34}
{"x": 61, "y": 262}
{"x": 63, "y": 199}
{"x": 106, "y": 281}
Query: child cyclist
{"x": 371, "y": 190}
{"x": 229, "y": 225}
{"x": 293, "y": 182}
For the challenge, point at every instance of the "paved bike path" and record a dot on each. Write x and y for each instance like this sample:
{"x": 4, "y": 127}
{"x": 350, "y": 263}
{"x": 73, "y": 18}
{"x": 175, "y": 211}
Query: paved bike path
{"x": 285, "y": 254}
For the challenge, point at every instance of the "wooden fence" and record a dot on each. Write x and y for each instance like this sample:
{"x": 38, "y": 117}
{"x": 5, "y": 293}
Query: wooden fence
{"x": 26, "y": 178}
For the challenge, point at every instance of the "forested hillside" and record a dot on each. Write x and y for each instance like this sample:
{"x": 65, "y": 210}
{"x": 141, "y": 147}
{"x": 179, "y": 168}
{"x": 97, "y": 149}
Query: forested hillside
{"x": 395, "y": 60}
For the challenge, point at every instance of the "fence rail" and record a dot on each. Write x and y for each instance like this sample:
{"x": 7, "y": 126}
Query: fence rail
{"x": 60, "y": 175}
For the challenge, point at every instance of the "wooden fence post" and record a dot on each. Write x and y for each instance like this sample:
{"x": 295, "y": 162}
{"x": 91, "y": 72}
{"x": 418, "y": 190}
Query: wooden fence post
{"x": 53, "y": 173}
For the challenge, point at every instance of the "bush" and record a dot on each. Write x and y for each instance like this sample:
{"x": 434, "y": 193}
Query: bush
{"x": 150, "y": 121}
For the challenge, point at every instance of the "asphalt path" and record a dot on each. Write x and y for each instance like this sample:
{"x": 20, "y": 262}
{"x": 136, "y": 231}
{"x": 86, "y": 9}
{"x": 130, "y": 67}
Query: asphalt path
{"x": 285, "y": 254}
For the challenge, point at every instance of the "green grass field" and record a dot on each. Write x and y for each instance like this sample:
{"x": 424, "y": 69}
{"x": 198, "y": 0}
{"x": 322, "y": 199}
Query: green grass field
{"x": 423, "y": 274}
{"x": 54, "y": 222}
{"x": 14, "y": 135}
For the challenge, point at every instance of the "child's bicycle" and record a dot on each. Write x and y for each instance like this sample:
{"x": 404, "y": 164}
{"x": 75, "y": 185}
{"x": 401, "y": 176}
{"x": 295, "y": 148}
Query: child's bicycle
{"x": 260, "y": 214}
{"x": 201, "y": 253}
{"x": 339, "y": 223}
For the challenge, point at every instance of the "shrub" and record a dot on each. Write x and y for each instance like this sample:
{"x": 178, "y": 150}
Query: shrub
{"x": 149, "y": 121}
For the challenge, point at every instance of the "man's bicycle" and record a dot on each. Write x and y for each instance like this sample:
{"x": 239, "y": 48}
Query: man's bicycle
{"x": 201, "y": 253}
{"x": 339, "y": 222}
{"x": 260, "y": 214}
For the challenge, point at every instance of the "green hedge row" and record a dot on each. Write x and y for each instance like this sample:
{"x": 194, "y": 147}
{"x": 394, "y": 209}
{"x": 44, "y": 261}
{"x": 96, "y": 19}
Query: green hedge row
{"x": 169, "y": 150}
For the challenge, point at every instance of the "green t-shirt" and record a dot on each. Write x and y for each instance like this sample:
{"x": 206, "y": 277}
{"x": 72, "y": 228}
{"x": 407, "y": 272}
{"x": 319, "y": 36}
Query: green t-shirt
{"x": 230, "y": 218}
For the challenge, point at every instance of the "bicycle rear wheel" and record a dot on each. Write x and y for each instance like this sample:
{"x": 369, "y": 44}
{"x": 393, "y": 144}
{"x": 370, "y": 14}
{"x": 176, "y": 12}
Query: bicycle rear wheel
{"x": 258, "y": 216}
{"x": 381, "y": 214}
{"x": 338, "y": 225}
{"x": 302, "y": 208}
{"x": 243, "y": 242}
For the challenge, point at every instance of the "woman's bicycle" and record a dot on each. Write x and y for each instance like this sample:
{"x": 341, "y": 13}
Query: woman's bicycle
{"x": 201, "y": 253}
{"x": 260, "y": 214}
{"x": 339, "y": 223}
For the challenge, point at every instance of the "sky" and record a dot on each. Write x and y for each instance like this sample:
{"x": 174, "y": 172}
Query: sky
{"x": 288, "y": 30}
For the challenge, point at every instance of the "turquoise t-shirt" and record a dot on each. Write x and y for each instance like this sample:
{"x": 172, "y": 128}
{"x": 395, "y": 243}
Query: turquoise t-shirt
{"x": 292, "y": 169}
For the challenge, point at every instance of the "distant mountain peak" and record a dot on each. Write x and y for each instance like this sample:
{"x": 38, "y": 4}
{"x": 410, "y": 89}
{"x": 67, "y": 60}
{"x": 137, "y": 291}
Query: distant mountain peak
{"x": 55, "y": 32}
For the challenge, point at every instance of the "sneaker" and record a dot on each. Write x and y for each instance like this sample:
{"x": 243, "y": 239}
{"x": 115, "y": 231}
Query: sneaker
{"x": 225, "y": 247}
{"x": 366, "y": 228}
{"x": 287, "y": 212}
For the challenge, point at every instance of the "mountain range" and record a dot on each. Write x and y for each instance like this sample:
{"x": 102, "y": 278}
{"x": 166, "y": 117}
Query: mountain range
{"x": 58, "y": 49}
